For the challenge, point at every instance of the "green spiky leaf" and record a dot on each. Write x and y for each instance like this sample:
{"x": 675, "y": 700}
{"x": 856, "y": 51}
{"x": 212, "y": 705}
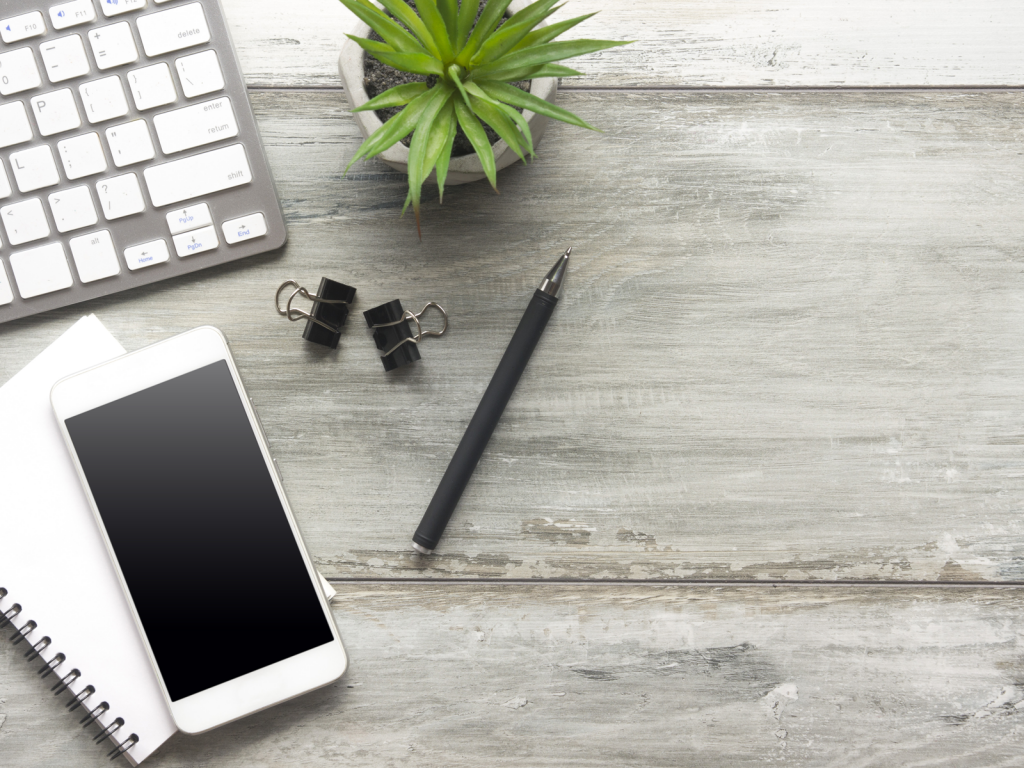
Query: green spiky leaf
{"x": 474, "y": 62}
{"x": 398, "y": 96}
{"x": 518, "y": 98}
{"x": 489, "y": 19}
{"x": 384, "y": 26}
{"x": 478, "y": 138}
{"x": 543, "y": 54}
{"x": 514, "y": 30}
{"x": 550, "y": 32}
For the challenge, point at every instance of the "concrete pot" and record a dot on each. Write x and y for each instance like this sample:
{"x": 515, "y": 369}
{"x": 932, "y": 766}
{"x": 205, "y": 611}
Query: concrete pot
{"x": 463, "y": 169}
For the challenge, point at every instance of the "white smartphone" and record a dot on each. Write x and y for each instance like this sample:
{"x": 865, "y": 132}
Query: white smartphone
{"x": 176, "y": 469}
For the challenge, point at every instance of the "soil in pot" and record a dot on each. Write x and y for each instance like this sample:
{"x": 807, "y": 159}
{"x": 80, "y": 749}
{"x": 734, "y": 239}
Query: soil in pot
{"x": 378, "y": 77}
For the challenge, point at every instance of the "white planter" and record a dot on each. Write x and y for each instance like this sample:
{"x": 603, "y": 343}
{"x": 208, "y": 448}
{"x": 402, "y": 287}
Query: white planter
{"x": 461, "y": 170}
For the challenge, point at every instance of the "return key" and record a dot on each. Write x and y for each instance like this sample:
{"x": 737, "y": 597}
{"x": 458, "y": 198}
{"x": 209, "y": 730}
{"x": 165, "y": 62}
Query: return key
{"x": 195, "y": 126}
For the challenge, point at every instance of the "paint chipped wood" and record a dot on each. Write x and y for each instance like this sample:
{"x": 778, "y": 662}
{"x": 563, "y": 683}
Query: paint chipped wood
{"x": 600, "y": 675}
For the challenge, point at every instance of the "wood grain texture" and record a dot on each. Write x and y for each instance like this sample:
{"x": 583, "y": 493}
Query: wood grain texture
{"x": 706, "y": 43}
{"x": 590, "y": 675}
{"x": 789, "y": 346}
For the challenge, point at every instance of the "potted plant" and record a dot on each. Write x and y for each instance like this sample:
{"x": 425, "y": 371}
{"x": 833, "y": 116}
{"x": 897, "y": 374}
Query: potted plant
{"x": 462, "y": 73}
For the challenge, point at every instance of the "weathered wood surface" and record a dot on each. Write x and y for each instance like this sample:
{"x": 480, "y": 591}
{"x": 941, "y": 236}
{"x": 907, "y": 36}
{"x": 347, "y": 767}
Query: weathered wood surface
{"x": 591, "y": 675}
{"x": 707, "y": 43}
{"x": 789, "y": 348}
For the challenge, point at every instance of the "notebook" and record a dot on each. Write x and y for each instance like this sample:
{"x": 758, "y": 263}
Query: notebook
{"x": 55, "y": 566}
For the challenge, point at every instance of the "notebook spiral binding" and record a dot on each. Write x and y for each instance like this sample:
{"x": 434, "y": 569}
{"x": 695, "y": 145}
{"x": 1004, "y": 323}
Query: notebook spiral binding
{"x": 8, "y": 617}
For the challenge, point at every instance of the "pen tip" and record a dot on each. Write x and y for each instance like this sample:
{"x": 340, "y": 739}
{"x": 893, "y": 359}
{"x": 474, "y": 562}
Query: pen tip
{"x": 553, "y": 281}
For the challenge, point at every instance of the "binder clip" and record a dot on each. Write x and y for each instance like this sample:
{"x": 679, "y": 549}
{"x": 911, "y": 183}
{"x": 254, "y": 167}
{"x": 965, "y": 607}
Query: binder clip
{"x": 392, "y": 332}
{"x": 329, "y": 310}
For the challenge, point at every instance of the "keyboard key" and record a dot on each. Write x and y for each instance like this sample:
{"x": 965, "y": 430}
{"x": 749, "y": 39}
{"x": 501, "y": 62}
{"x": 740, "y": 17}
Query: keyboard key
{"x": 130, "y": 143}
{"x": 152, "y": 87}
{"x": 245, "y": 228}
{"x": 56, "y": 112}
{"x": 64, "y": 58}
{"x": 173, "y": 30}
{"x": 104, "y": 99}
{"x": 187, "y": 219}
{"x": 82, "y": 156}
{"x": 146, "y": 255}
{"x": 117, "y": 7}
{"x": 120, "y": 196}
{"x": 5, "y": 183}
{"x": 113, "y": 46}
{"x": 18, "y": 72}
{"x": 195, "y": 126}
{"x": 34, "y": 168}
{"x": 22, "y": 27}
{"x": 25, "y": 222}
{"x": 197, "y": 241}
{"x": 95, "y": 257}
{"x": 200, "y": 74}
{"x": 6, "y": 293}
{"x": 41, "y": 270}
{"x": 72, "y": 14}
{"x": 73, "y": 209}
{"x": 14, "y": 125}
{"x": 198, "y": 176}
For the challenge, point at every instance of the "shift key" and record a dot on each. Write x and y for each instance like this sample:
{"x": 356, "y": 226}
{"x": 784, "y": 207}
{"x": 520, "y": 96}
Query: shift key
{"x": 198, "y": 175}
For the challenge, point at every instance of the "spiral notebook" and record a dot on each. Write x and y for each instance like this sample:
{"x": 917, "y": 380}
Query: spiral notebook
{"x": 60, "y": 600}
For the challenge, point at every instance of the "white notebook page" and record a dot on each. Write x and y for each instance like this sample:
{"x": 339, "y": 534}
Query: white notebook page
{"x": 53, "y": 561}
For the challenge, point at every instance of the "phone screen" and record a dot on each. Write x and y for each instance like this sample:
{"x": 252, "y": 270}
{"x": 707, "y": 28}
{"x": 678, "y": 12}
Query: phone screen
{"x": 198, "y": 530}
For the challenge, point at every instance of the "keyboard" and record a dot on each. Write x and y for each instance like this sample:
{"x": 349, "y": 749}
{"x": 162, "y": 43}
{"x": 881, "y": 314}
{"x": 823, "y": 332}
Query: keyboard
{"x": 128, "y": 150}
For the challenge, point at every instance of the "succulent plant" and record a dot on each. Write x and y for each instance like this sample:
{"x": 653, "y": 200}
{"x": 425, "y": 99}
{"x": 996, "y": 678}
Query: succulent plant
{"x": 471, "y": 64}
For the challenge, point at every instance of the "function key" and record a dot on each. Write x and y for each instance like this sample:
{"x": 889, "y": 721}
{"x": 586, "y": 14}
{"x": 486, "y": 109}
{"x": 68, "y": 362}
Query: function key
{"x": 72, "y": 14}
{"x": 117, "y": 7}
{"x": 22, "y": 27}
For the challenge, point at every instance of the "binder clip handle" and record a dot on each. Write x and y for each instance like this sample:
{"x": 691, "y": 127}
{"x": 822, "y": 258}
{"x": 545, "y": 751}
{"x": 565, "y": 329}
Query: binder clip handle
{"x": 415, "y": 317}
{"x": 294, "y": 313}
{"x": 329, "y": 310}
{"x": 393, "y": 334}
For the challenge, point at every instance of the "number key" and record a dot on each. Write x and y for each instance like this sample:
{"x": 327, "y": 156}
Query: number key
{"x": 18, "y": 72}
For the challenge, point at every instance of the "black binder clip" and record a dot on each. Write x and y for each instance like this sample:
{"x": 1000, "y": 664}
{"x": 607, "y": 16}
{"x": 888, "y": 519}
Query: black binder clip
{"x": 330, "y": 308}
{"x": 392, "y": 332}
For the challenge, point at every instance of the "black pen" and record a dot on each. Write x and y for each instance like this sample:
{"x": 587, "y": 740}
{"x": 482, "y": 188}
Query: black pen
{"x": 492, "y": 405}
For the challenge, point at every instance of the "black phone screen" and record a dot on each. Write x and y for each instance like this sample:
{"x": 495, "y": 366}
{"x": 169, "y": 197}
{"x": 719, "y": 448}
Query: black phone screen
{"x": 198, "y": 530}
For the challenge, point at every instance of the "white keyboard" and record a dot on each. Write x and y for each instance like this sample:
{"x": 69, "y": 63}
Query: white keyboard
{"x": 128, "y": 150}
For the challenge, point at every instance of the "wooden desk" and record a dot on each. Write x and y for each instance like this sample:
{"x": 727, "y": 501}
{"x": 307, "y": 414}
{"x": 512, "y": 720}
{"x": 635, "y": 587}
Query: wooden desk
{"x": 758, "y": 498}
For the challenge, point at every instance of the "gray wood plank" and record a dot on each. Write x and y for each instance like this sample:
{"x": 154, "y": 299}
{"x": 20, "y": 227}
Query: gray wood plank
{"x": 590, "y": 675}
{"x": 789, "y": 347}
{"x": 792, "y": 43}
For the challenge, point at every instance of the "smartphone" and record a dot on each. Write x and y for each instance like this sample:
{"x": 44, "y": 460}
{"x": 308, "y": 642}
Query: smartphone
{"x": 177, "y": 471}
